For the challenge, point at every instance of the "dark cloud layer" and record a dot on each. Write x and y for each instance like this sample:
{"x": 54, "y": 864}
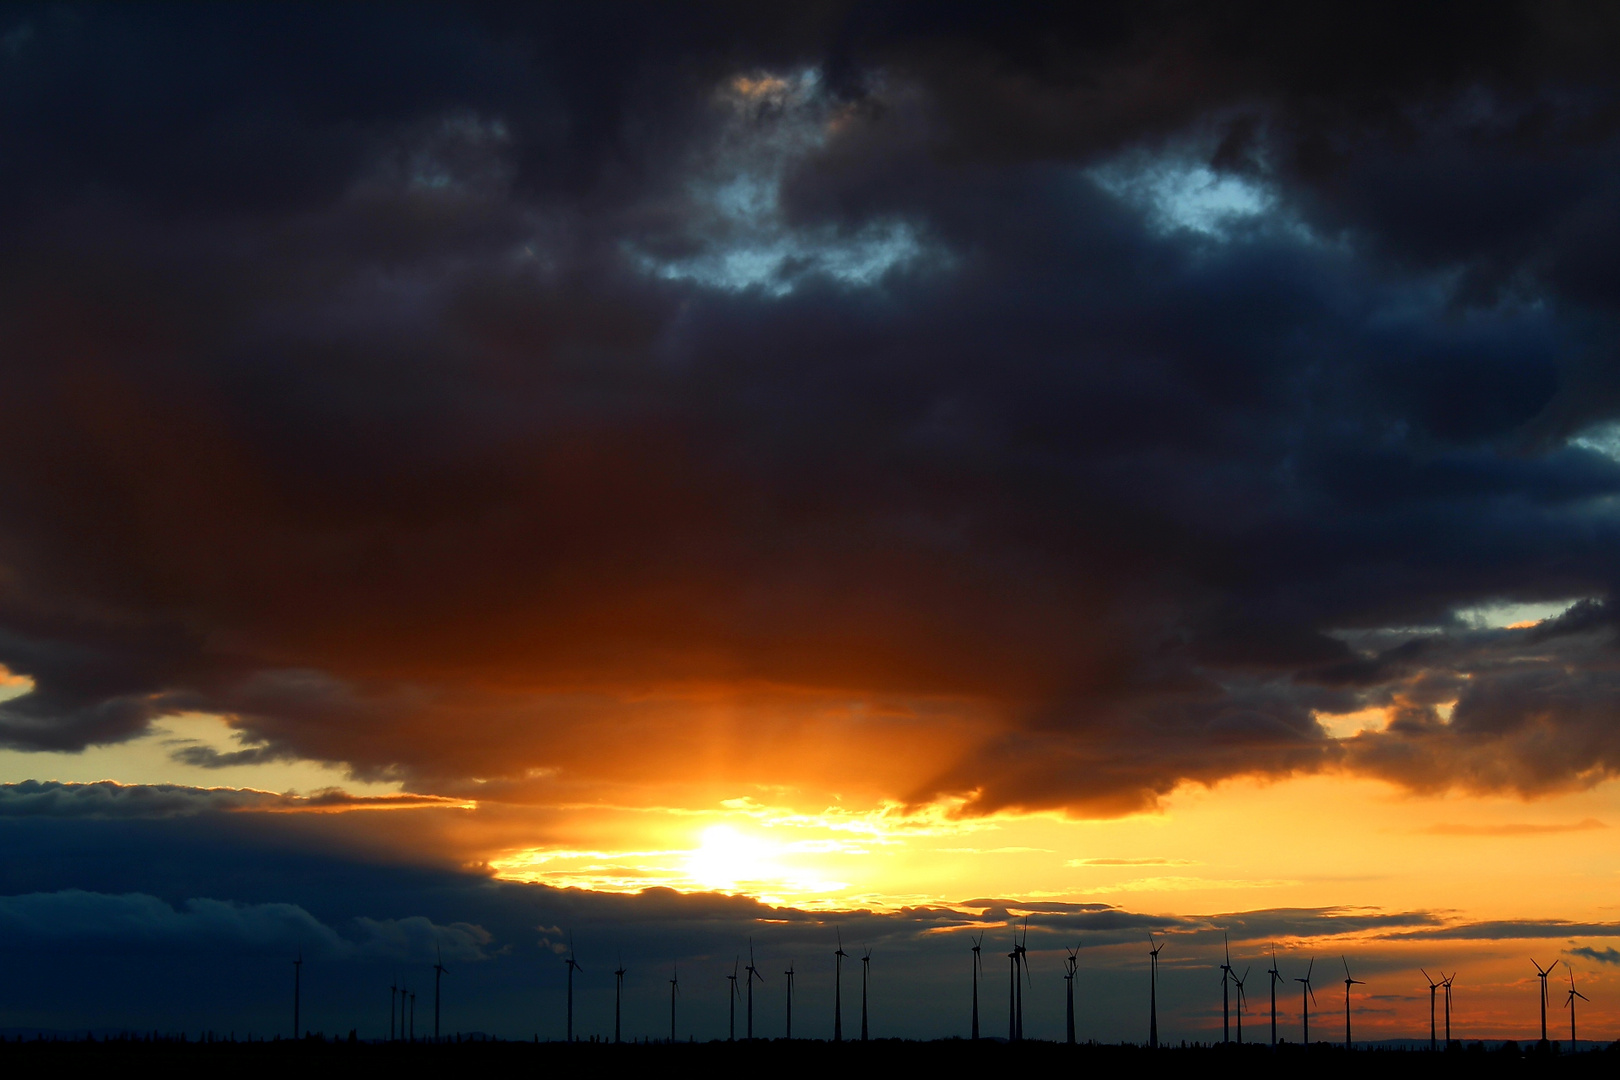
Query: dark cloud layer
{"x": 452, "y": 391}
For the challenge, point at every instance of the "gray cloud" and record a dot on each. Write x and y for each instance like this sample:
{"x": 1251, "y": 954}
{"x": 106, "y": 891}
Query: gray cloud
{"x": 108, "y": 799}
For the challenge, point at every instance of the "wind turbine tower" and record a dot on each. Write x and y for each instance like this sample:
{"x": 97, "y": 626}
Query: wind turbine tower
{"x": 298, "y": 973}
{"x": 1226, "y": 976}
{"x": 573, "y": 966}
{"x": 618, "y": 998}
{"x": 1242, "y": 999}
{"x": 978, "y": 962}
{"x": 1446, "y": 982}
{"x": 674, "y": 988}
{"x": 789, "y": 975}
{"x": 1348, "y": 983}
{"x": 439, "y": 970}
{"x": 1153, "y": 993}
{"x": 866, "y": 979}
{"x": 753, "y": 973}
{"x": 1275, "y": 975}
{"x": 1542, "y": 974}
{"x": 1305, "y": 993}
{"x": 1433, "y": 986}
{"x": 1070, "y": 964}
{"x": 838, "y": 990}
{"x": 413, "y": 1016}
{"x": 732, "y": 999}
{"x": 1569, "y": 1003}
{"x": 393, "y": 992}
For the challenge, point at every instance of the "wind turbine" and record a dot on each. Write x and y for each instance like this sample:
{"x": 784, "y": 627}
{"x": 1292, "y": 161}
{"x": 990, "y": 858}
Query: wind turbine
{"x": 1569, "y": 1003}
{"x": 1275, "y": 975}
{"x": 298, "y": 988}
{"x": 789, "y": 974}
{"x": 1348, "y": 983}
{"x": 1433, "y": 986}
{"x": 618, "y": 997}
{"x": 393, "y": 992}
{"x": 438, "y": 970}
{"x": 1226, "y": 975}
{"x": 573, "y": 966}
{"x": 1542, "y": 974}
{"x": 1242, "y": 998}
{"x": 1446, "y": 982}
{"x": 1153, "y": 993}
{"x": 674, "y": 988}
{"x": 1070, "y": 963}
{"x": 1305, "y": 1006}
{"x": 753, "y": 973}
{"x": 732, "y": 999}
{"x": 1020, "y": 955}
{"x": 838, "y": 990}
{"x": 978, "y": 962}
{"x": 866, "y": 978}
{"x": 413, "y": 1016}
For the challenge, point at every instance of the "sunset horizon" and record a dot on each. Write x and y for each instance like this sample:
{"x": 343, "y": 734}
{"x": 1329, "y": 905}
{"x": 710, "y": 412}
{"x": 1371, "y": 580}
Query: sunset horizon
{"x": 533, "y": 504}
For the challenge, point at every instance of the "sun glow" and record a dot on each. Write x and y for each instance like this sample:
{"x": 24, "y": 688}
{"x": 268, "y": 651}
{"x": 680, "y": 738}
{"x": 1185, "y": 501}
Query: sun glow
{"x": 726, "y": 859}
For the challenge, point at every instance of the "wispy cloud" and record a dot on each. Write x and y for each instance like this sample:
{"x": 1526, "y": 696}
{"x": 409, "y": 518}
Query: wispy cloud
{"x": 1602, "y": 956}
{"x": 1514, "y": 828}
{"x": 1133, "y": 862}
{"x": 1175, "y": 883}
{"x": 1512, "y": 929}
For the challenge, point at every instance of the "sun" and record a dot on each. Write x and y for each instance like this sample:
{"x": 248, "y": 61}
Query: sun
{"x": 726, "y": 858}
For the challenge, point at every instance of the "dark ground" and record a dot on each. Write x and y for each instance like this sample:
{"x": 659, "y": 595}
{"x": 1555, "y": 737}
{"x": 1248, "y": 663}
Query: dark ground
{"x": 313, "y": 1058}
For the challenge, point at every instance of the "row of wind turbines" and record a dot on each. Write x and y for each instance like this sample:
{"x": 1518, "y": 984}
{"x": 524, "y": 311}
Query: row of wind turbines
{"x": 402, "y": 999}
{"x": 735, "y": 993}
{"x": 1230, "y": 980}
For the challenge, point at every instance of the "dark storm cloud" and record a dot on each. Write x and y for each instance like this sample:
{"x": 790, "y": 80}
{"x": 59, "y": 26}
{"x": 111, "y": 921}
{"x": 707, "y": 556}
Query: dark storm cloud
{"x": 1110, "y": 377}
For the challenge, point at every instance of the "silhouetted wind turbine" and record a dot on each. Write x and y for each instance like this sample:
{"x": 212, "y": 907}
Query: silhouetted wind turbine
{"x": 1242, "y": 998}
{"x": 1569, "y": 1003}
{"x": 732, "y": 999}
{"x": 838, "y": 990}
{"x": 1226, "y": 975}
{"x": 618, "y": 997}
{"x": 674, "y": 988}
{"x": 1070, "y": 964}
{"x": 438, "y": 970}
{"x": 298, "y": 990}
{"x": 1275, "y": 975}
{"x": 413, "y": 1016}
{"x": 789, "y": 974}
{"x": 573, "y": 966}
{"x": 978, "y": 962}
{"x": 1021, "y": 965}
{"x": 1348, "y": 983}
{"x": 1153, "y": 993}
{"x": 1304, "y": 1005}
{"x": 866, "y": 978}
{"x": 1542, "y": 974}
{"x": 1433, "y": 986}
{"x": 393, "y": 992}
{"x": 753, "y": 973}
{"x": 1447, "y": 983}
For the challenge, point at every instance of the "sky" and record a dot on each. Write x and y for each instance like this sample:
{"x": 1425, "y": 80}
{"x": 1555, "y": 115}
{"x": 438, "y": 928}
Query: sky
{"x": 663, "y": 479}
